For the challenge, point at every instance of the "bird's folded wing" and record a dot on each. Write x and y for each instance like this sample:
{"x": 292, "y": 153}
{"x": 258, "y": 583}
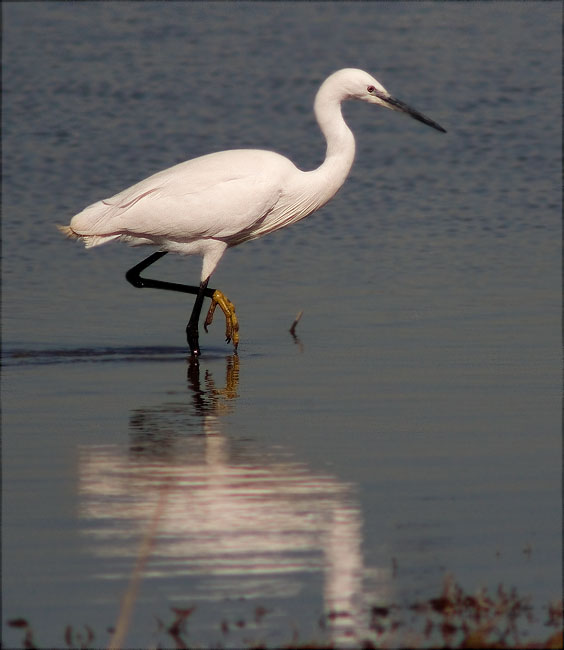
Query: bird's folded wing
{"x": 213, "y": 196}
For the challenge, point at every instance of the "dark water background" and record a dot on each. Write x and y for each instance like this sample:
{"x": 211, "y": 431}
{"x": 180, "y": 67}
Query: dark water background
{"x": 412, "y": 431}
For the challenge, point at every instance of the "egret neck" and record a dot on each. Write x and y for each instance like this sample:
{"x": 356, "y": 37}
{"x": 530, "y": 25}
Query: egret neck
{"x": 339, "y": 156}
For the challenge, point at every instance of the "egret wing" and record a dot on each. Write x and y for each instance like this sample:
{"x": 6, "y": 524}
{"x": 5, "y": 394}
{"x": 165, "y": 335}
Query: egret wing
{"x": 219, "y": 195}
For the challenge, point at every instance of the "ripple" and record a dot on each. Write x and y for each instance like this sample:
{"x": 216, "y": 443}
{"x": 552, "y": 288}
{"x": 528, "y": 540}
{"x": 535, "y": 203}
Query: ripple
{"x": 35, "y": 357}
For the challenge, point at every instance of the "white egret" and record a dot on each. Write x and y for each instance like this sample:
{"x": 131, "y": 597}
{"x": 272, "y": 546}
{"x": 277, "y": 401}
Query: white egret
{"x": 206, "y": 205}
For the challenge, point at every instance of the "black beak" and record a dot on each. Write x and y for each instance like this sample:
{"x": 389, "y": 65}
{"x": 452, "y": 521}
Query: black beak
{"x": 396, "y": 105}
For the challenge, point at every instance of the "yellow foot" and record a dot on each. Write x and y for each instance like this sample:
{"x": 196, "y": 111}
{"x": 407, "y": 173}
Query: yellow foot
{"x": 231, "y": 322}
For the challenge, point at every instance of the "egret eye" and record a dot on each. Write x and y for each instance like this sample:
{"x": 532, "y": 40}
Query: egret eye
{"x": 371, "y": 89}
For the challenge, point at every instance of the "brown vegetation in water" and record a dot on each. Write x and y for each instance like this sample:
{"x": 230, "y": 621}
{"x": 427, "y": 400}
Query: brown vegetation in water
{"x": 454, "y": 619}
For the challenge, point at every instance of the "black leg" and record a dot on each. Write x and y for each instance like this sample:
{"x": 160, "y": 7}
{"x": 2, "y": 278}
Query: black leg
{"x": 133, "y": 277}
{"x": 192, "y": 327}
{"x": 201, "y": 292}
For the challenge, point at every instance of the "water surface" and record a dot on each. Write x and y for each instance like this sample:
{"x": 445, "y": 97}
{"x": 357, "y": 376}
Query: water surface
{"x": 413, "y": 428}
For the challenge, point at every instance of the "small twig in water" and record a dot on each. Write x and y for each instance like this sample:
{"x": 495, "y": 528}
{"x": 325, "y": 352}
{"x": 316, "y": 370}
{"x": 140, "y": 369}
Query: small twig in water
{"x": 130, "y": 596}
{"x": 296, "y": 321}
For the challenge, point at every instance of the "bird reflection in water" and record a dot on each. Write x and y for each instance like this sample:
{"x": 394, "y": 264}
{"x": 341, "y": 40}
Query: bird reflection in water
{"x": 222, "y": 515}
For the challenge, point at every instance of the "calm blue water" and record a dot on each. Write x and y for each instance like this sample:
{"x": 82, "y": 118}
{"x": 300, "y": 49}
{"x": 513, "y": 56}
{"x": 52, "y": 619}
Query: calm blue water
{"x": 410, "y": 432}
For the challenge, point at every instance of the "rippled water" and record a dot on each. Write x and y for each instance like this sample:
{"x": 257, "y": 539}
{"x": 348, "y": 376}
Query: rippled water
{"x": 413, "y": 427}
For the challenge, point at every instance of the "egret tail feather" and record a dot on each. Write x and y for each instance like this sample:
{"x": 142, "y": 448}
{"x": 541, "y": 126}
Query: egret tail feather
{"x": 68, "y": 232}
{"x": 89, "y": 240}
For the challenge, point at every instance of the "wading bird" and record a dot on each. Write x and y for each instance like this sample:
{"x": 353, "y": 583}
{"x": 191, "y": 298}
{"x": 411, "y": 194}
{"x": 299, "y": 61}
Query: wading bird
{"x": 206, "y": 205}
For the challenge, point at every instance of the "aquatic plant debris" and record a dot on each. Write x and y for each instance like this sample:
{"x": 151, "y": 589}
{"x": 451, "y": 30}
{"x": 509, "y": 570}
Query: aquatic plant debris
{"x": 453, "y": 619}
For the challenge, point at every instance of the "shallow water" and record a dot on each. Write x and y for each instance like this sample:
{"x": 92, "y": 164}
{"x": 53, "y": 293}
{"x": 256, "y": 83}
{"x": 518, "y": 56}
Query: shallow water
{"x": 413, "y": 427}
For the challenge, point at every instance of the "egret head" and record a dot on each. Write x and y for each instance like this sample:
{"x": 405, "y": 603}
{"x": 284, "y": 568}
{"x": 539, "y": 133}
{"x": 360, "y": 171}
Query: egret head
{"x": 357, "y": 84}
